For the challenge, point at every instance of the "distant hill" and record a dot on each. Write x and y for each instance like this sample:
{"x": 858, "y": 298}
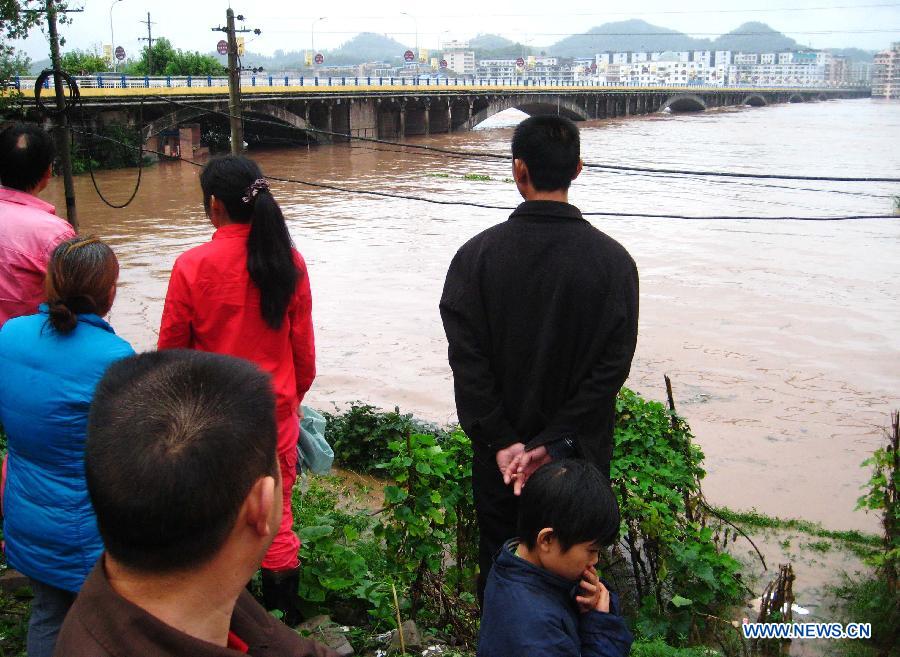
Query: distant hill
{"x": 854, "y": 54}
{"x": 755, "y": 37}
{"x": 630, "y": 35}
{"x": 40, "y": 65}
{"x": 489, "y": 42}
{"x": 366, "y": 47}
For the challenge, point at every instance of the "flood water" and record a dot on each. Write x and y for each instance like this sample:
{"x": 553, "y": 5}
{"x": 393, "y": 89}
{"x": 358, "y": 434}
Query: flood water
{"x": 782, "y": 338}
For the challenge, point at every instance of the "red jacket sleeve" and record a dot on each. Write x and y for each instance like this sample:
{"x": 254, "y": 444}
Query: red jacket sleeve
{"x": 302, "y": 340}
{"x": 175, "y": 328}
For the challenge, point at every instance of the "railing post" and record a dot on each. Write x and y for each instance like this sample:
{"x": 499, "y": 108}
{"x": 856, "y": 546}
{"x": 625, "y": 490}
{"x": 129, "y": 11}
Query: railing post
{"x": 209, "y": 80}
{"x": 99, "y": 81}
{"x": 123, "y": 80}
{"x": 286, "y": 81}
{"x": 316, "y": 81}
{"x": 168, "y": 80}
{"x": 270, "y": 81}
{"x": 329, "y": 80}
{"x": 252, "y": 80}
{"x": 189, "y": 81}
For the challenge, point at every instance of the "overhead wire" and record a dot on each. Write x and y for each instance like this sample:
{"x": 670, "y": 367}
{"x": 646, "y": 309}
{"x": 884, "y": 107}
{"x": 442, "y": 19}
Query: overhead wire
{"x": 424, "y": 199}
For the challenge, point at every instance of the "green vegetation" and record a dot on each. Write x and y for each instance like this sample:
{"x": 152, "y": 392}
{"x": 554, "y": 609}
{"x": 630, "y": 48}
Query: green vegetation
{"x": 423, "y": 540}
{"x": 682, "y": 577}
{"x": 870, "y": 601}
{"x": 82, "y": 62}
{"x": 476, "y": 176}
{"x": 167, "y": 60}
{"x": 107, "y": 153}
{"x": 15, "y": 24}
{"x": 858, "y": 542}
{"x": 876, "y": 599}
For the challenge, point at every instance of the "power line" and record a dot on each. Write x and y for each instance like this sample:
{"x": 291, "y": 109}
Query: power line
{"x": 646, "y": 34}
{"x": 503, "y": 156}
{"x": 618, "y": 13}
{"x": 424, "y": 199}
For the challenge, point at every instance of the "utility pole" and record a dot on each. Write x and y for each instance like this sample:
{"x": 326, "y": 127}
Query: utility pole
{"x": 149, "y": 40}
{"x": 63, "y": 137}
{"x": 234, "y": 80}
{"x": 234, "y": 88}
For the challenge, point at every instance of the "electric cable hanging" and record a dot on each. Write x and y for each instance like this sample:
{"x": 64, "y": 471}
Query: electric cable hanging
{"x": 408, "y": 197}
{"x": 503, "y": 156}
{"x": 74, "y": 95}
{"x": 140, "y": 154}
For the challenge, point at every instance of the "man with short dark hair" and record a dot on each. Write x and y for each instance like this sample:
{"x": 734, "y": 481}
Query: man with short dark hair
{"x": 182, "y": 472}
{"x": 29, "y": 227}
{"x": 541, "y": 317}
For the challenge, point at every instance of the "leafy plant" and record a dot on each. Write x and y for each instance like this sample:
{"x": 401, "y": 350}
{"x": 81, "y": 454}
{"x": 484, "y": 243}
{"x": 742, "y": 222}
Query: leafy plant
{"x": 362, "y": 435}
{"x": 680, "y": 574}
{"x": 344, "y": 567}
{"x": 428, "y": 526}
{"x": 882, "y": 497}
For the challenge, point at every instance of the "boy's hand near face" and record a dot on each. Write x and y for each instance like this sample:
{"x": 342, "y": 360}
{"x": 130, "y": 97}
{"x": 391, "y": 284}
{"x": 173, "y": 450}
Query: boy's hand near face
{"x": 594, "y": 595}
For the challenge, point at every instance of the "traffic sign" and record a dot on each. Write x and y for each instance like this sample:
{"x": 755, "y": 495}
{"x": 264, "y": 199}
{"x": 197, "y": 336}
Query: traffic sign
{"x": 120, "y": 53}
{"x": 222, "y": 47}
{"x": 319, "y": 58}
{"x": 520, "y": 62}
{"x": 409, "y": 55}
{"x": 443, "y": 63}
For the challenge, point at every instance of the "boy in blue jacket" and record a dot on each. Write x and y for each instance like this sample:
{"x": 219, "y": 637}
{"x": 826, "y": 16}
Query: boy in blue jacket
{"x": 543, "y": 595}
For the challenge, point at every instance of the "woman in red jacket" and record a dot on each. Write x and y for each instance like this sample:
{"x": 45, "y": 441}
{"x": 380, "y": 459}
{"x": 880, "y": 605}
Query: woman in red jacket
{"x": 246, "y": 293}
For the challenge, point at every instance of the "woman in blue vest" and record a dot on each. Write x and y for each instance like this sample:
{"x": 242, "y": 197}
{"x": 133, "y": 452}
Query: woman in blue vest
{"x": 50, "y": 364}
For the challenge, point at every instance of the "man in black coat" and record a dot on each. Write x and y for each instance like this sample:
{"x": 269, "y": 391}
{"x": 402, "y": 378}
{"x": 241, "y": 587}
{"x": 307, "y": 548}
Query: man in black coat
{"x": 541, "y": 316}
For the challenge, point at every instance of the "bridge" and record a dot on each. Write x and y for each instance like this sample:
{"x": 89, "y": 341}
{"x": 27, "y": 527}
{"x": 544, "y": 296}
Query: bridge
{"x": 394, "y": 108}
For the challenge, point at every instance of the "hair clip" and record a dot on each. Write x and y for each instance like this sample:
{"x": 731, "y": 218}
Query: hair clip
{"x": 257, "y": 186}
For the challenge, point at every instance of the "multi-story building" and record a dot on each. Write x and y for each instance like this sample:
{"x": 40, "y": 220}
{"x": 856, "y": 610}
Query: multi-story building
{"x": 861, "y": 73}
{"x": 723, "y": 58}
{"x": 459, "y": 58}
{"x": 705, "y": 57}
{"x": 886, "y": 73}
{"x": 746, "y": 59}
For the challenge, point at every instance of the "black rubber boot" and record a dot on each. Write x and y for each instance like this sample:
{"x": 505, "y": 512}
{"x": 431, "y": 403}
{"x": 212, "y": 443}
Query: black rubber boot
{"x": 279, "y": 591}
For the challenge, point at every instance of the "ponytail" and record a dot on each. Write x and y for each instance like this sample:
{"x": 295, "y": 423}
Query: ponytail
{"x": 270, "y": 259}
{"x": 239, "y": 184}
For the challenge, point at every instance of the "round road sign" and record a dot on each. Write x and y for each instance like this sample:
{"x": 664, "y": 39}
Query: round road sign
{"x": 319, "y": 58}
{"x": 409, "y": 55}
{"x": 520, "y": 62}
{"x": 222, "y": 47}
{"x": 120, "y": 53}
{"x": 443, "y": 63}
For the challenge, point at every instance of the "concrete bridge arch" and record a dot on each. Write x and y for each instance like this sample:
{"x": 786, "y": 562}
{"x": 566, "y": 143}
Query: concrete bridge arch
{"x": 186, "y": 114}
{"x": 684, "y": 103}
{"x": 533, "y": 106}
{"x": 755, "y": 100}
{"x": 796, "y": 98}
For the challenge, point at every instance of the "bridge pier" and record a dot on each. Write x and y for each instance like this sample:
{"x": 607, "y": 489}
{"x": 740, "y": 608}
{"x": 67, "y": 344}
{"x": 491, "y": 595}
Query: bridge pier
{"x": 427, "y": 117}
{"x": 403, "y": 120}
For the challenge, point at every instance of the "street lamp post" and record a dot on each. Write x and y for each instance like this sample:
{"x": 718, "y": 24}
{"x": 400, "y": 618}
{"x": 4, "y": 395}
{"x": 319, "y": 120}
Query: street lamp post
{"x": 312, "y": 38}
{"x": 416, "y": 27}
{"x": 112, "y": 36}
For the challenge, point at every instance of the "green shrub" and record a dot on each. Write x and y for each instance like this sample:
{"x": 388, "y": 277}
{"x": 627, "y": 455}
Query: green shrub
{"x": 680, "y": 574}
{"x": 361, "y": 435}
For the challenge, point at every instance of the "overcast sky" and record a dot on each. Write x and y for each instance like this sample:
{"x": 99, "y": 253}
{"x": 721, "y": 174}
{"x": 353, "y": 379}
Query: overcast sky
{"x": 285, "y": 24}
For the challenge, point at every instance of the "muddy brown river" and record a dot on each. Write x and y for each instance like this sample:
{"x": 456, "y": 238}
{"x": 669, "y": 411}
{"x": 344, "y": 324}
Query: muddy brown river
{"x": 782, "y": 338}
